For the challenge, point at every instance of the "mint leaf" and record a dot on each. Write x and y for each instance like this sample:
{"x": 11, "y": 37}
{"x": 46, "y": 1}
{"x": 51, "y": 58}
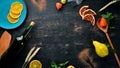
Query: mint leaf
{"x": 53, "y": 64}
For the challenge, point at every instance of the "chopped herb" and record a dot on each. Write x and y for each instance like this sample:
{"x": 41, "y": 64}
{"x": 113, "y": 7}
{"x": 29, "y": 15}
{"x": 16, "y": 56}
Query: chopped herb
{"x": 61, "y": 65}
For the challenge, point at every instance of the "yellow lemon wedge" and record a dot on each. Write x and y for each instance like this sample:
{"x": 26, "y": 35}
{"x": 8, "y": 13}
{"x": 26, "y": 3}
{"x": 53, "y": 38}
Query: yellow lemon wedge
{"x": 35, "y": 64}
{"x": 101, "y": 49}
{"x": 12, "y": 20}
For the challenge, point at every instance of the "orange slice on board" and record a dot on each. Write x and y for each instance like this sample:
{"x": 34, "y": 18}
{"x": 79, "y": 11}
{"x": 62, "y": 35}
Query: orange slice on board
{"x": 90, "y": 17}
{"x": 89, "y": 11}
{"x": 82, "y": 9}
{"x": 35, "y": 64}
{"x": 12, "y": 20}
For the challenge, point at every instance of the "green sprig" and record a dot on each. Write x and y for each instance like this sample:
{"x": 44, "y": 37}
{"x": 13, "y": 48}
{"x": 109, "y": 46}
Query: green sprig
{"x": 61, "y": 65}
{"x": 109, "y": 16}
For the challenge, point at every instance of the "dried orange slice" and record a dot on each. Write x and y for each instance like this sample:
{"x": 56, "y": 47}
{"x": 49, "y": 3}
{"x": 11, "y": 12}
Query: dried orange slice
{"x": 12, "y": 20}
{"x": 15, "y": 12}
{"x": 14, "y": 15}
{"x": 82, "y": 9}
{"x": 16, "y": 8}
{"x": 90, "y": 17}
{"x": 35, "y": 64}
{"x": 89, "y": 11}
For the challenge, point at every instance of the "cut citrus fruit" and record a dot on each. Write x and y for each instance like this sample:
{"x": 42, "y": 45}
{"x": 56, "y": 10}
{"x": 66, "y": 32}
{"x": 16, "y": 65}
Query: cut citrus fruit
{"x": 16, "y": 7}
{"x": 12, "y": 20}
{"x": 35, "y": 64}
{"x": 82, "y": 9}
{"x": 70, "y": 66}
{"x": 90, "y": 17}
{"x": 89, "y": 11}
{"x": 14, "y": 15}
{"x": 15, "y": 12}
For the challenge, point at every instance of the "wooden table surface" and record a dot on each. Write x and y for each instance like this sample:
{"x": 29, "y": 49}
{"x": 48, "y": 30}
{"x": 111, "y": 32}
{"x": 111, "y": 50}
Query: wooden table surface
{"x": 64, "y": 36}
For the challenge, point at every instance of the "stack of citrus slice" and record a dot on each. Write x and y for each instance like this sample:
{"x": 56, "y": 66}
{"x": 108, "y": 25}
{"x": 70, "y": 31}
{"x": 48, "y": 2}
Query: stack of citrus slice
{"x": 15, "y": 12}
{"x": 87, "y": 14}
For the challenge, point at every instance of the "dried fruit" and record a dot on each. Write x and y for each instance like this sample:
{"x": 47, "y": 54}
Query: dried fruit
{"x": 100, "y": 49}
{"x": 58, "y": 5}
{"x": 15, "y": 12}
{"x": 12, "y": 20}
{"x": 90, "y": 17}
{"x": 16, "y": 8}
{"x": 14, "y": 15}
{"x": 87, "y": 14}
{"x": 89, "y": 11}
{"x": 82, "y": 9}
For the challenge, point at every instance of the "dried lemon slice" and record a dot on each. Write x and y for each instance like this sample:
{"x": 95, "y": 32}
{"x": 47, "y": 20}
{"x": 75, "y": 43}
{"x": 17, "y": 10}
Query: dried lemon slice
{"x": 12, "y": 20}
{"x": 16, "y": 8}
{"x": 35, "y": 64}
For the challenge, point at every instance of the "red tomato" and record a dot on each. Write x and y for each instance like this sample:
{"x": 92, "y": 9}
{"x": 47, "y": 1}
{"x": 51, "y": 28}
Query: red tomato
{"x": 58, "y": 5}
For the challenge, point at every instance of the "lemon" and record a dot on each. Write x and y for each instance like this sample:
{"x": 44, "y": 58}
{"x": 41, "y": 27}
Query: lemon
{"x": 70, "y": 66}
{"x": 12, "y": 20}
{"x": 101, "y": 49}
{"x": 35, "y": 64}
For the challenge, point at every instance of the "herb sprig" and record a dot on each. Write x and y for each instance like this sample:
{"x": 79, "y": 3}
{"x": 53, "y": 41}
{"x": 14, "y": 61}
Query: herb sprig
{"x": 61, "y": 65}
{"x": 109, "y": 16}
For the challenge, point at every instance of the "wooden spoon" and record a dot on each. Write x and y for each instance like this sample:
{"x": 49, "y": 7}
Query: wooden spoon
{"x": 105, "y": 30}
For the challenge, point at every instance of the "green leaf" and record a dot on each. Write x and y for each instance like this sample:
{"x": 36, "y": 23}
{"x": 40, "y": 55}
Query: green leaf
{"x": 112, "y": 27}
{"x": 104, "y": 16}
{"x": 53, "y": 64}
{"x": 107, "y": 44}
{"x": 63, "y": 64}
{"x": 111, "y": 50}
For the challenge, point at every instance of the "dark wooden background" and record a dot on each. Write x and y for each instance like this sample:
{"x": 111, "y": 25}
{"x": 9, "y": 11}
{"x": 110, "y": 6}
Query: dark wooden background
{"x": 63, "y": 35}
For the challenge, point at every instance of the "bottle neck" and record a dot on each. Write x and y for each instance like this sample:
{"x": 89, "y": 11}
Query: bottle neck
{"x": 27, "y": 31}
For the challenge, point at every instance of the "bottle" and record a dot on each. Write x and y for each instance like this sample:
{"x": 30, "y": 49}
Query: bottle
{"x": 16, "y": 46}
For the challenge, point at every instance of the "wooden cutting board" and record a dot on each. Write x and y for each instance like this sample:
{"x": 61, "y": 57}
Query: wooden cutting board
{"x": 4, "y": 42}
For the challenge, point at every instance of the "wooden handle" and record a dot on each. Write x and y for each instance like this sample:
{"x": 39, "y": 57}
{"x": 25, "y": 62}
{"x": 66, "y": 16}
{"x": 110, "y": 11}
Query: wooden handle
{"x": 115, "y": 54}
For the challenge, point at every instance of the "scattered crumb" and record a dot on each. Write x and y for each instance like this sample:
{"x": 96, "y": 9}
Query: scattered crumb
{"x": 41, "y": 4}
{"x": 77, "y": 29}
